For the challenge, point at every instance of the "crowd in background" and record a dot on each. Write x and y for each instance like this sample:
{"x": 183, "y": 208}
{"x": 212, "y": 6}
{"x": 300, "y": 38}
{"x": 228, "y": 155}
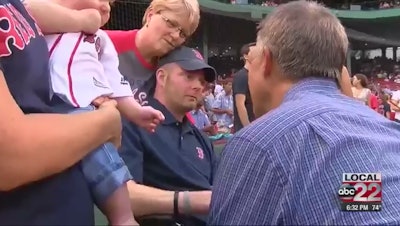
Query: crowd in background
{"x": 380, "y": 90}
{"x": 215, "y": 112}
{"x": 344, "y": 5}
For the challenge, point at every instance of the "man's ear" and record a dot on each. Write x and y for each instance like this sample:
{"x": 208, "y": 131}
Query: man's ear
{"x": 161, "y": 76}
{"x": 245, "y": 57}
{"x": 268, "y": 59}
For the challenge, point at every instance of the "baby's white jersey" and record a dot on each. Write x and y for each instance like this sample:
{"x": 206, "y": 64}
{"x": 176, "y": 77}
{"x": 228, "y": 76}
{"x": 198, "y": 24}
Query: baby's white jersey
{"x": 84, "y": 67}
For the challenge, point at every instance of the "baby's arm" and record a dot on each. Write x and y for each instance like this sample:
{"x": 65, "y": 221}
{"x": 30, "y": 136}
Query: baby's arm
{"x": 53, "y": 18}
{"x": 129, "y": 107}
{"x": 146, "y": 117}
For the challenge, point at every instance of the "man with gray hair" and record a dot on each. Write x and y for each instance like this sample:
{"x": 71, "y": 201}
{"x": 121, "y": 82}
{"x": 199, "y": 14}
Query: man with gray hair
{"x": 297, "y": 164}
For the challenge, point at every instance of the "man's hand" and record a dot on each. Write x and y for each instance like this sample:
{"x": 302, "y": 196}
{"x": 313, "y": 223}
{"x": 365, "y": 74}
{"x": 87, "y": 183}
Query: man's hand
{"x": 148, "y": 118}
{"x": 90, "y": 20}
{"x": 109, "y": 107}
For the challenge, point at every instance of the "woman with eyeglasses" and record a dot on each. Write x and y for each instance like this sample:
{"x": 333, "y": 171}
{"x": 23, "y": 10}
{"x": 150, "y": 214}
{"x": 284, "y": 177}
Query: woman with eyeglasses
{"x": 167, "y": 24}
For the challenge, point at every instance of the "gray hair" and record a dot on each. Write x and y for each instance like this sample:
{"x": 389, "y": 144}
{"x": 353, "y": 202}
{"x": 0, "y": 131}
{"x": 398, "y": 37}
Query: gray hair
{"x": 305, "y": 39}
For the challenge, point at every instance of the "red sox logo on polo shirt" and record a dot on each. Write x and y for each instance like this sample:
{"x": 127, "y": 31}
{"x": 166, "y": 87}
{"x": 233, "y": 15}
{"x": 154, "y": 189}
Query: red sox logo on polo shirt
{"x": 200, "y": 153}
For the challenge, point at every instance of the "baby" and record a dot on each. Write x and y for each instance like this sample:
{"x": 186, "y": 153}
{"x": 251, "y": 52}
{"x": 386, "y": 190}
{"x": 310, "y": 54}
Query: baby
{"x": 84, "y": 70}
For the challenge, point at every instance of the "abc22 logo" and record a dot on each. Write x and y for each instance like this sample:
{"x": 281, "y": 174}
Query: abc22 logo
{"x": 361, "y": 192}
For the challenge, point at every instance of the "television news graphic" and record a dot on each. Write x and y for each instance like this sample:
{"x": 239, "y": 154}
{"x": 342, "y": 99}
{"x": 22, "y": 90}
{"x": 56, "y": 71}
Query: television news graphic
{"x": 361, "y": 192}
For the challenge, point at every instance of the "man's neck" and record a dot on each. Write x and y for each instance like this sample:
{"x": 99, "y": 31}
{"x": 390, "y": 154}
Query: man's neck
{"x": 144, "y": 48}
{"x": 178, "y": 115}
{"x": 274, "y": 99}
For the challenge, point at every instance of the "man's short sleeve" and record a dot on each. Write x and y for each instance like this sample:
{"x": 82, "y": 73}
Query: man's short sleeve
{"x": 240, "y": 83}
{"x": 132, "y": 150}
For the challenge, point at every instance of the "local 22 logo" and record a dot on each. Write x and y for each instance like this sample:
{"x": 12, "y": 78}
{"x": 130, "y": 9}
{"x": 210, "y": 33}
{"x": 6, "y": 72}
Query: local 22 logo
{"x": 361, "y": 191}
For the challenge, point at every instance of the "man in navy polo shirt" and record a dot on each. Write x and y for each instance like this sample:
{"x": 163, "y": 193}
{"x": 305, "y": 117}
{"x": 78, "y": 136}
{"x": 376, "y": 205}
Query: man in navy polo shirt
{"x": 173, "y": 168}
{"x": 39, "y": 181}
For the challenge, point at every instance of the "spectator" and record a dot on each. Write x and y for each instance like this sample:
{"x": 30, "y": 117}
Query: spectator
{"x": 386, "y": 106}
{"x": 218, "y": 88}
{"x": 167, "y": 24}
{"x": 173, "y": 167}
{"x": 395, "y": 101}
{"x": 345, "y": 83}
{"x": 223, "y": 106}
{"x": 209, "y": 101}
{"x": 40, "y": 181}
{"x": 287, "y": 167}
{"x": 373, "y": 98}
{"x": 360, "y": 89}
{"x": 201, "y": 120}
{"x": 242, "y": 106}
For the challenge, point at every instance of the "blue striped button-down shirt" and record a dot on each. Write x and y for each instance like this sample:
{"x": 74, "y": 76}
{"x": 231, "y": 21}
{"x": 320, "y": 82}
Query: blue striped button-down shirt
{"x": 286, "y": 167}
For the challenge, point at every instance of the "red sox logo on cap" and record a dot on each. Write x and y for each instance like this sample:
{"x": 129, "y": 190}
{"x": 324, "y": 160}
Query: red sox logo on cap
{"x": 198, "y": 54}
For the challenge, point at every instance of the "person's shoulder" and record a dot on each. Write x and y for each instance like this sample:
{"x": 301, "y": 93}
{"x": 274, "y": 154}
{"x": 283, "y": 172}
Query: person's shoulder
{"x": 105, "y": 40}
{"x": 102, "y": 33}
{"x": 240, "y": 77}
{"x": 65, "y": 40}
{"x": 123, "y": 40}
{"x": 241, "y": 73}
{"x": 285, "y": 118}
{"x": 367, "y": 90}
{"x": 274, "y": 123}
{"x": 120, "y": 34}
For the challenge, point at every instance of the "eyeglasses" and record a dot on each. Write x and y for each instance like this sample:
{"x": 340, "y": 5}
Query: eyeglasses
{"x": 173, "y": 25}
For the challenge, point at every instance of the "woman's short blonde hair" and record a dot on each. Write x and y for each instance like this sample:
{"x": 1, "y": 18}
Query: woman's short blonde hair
{"x": 184, "y": 8}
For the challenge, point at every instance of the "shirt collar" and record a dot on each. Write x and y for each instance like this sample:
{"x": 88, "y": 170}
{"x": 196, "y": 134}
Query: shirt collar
{"x": 314, "y": 85}
{"x": 196, "y": 111}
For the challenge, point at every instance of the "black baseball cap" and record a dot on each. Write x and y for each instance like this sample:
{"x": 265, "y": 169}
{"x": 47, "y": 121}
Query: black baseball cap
{"x": 190, "y": 60}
